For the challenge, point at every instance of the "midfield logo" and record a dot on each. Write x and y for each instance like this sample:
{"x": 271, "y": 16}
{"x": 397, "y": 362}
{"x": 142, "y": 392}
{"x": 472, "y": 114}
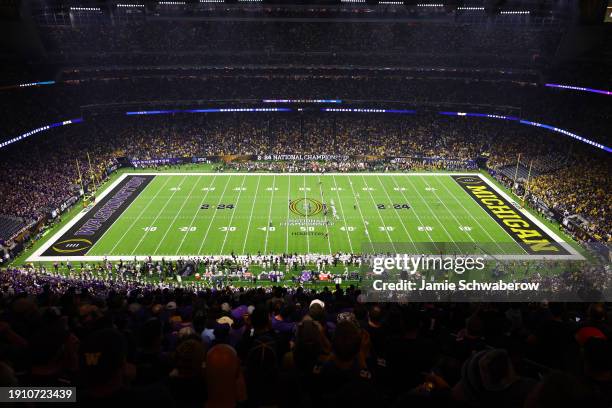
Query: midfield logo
{"x": 305, "y": 207}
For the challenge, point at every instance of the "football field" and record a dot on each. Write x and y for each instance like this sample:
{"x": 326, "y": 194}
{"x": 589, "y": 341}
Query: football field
{"x": 178, "y": 215}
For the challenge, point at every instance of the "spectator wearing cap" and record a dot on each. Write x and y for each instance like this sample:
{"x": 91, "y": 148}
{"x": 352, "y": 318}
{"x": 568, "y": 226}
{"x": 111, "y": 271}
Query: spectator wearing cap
{"x": 316, "y": 311}
{"x": 222, "y": 330}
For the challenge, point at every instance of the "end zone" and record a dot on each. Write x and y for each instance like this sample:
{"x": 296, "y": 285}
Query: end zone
{"x": 75, "y": 239}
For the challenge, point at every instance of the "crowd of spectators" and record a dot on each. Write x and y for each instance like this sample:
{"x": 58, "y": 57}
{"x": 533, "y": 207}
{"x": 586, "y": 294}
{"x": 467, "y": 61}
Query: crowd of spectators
{"x": 119, "y": 343}
{"x": 566, "y": 189}
{"x": 49, "y": 177}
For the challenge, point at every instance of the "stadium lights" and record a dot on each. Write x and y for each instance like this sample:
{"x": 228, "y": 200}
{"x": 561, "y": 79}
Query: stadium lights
{"x": 172, "y": 3}
{"x": 302, "y": 100}
{"x": 130, "y": 5}
{"x": 353, "y": 1}
{"x": 210, "y": 110}
{"x": 471, "y": 8}
{"x": 250, "y": 1}
{"x": 536, "y": 124}
{"x": 36, "y": 84}
{"x": 579, "y": 88}
{"x": 515, "y": 12}
{"x": 396, "y": 3}
{"x": 85, "y": 9}
{"x": 430, "y": 5}
{"x": 212, "y": 1}
{"x": 567, "y": 133}
{"x": 38, "y": 130}
{"x": 368, "y": 110}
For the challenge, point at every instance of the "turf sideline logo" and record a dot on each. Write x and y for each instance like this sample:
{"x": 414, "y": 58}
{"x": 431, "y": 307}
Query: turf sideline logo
{"x": 69, "y": 246}
{"x": 468, "y": 180}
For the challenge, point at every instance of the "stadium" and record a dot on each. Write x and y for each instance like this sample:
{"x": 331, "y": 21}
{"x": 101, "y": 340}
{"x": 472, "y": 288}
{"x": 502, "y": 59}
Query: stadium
{"x": 260, "y": 203}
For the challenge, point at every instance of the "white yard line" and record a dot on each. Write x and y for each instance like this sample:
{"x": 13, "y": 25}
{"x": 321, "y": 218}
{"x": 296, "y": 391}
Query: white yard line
{"x": 325, "y": 216}
{"x": 176, "y": 217}
{"x": 232, "y": 216}
{"x": 416, "y": 213}
{"x": 348, "y": 235}
{"x": 157, "y": 216}
{"x": 137, "y": 217}
{"x": 246, "y": 237}
{"x": 212, "y": 219}
{"x": 435, "y": 216}
{"x": 365, "y": 224}
{"x": 397, "y": 213}
{"x": 288, "y": 213}
{"x": 195, "y": 215}
{"x": 384, "y": 226}
{"x": 269, "y": 214}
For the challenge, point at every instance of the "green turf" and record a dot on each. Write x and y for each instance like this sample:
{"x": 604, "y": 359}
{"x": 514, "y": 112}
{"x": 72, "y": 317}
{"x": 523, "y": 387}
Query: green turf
{"x": 167, "y": 219}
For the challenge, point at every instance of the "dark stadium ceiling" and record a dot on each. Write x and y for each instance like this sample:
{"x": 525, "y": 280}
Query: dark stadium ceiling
{"x": 418, "y": 6}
